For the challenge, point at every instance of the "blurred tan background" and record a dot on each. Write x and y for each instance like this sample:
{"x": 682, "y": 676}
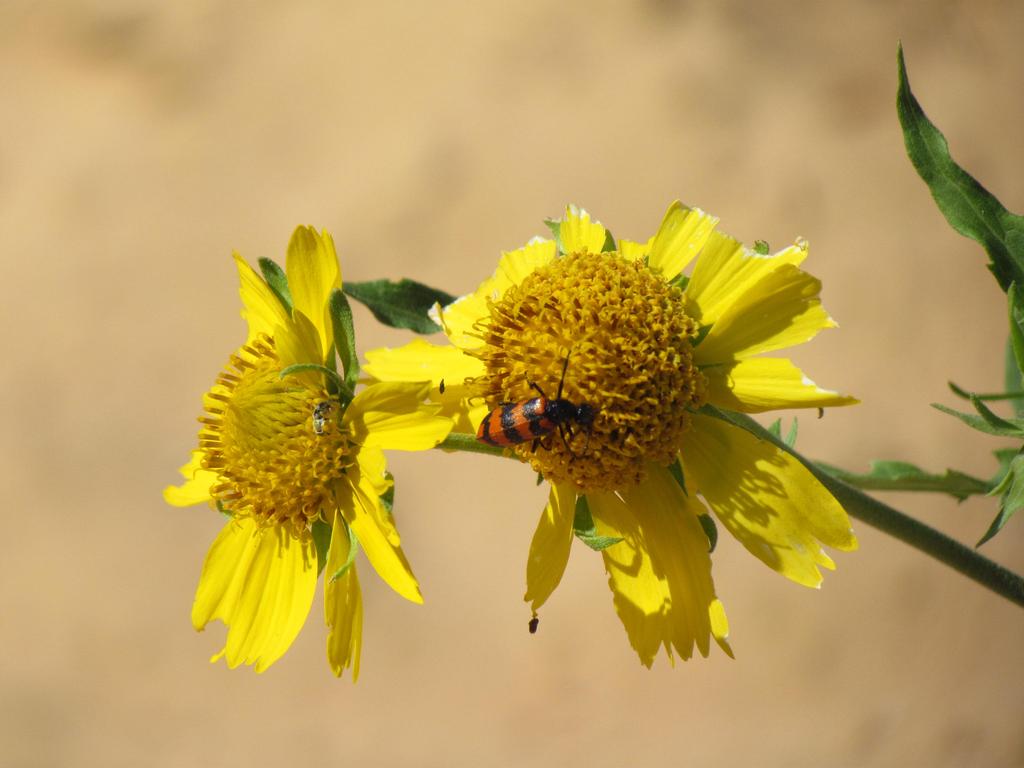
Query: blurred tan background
{"x": 140, "y": 142}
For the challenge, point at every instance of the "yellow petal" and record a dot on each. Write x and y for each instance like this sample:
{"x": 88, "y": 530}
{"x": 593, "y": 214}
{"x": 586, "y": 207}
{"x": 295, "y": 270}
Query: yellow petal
{"x": 578, "y": 233}
{"x": 343, "y": 605}
{"x": 460, "y": 318}
{"x": 373, "y": 527}
{"x": 297, "y": 342}
{"x": 313, "y": 272}
{"x": 680, "y": 237}
{"x": 726, "y": 270}
{"x": 196, "y": 488}
{"x": 765, "y": 383}
{"x": 261, "y": 309}
{"x": 632, "y": 251}
{"x": 766, "y": 498}
{"x": 549, "y": 550}
{"x": 660, "y": 573}
{"x": 421, "y": 361}
{"x": 780, "y": 310}
{"x": 393, "y": 415}
{"x": 260, "y": 583}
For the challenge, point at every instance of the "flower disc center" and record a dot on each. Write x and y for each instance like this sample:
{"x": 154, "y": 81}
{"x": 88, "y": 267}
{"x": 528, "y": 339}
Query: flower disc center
{"x": 629, "y": 343}
{"x": 275, "y": 443}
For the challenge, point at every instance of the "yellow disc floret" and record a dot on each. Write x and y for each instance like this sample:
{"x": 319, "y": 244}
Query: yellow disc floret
{"x": 631, "y": 347}
{"x": 275, "y": 443}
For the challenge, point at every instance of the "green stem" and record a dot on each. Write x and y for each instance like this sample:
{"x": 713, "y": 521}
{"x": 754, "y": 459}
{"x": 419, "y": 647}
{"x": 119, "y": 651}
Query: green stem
{"x": 908, "y": 530}
{"x": 460, "y": 441}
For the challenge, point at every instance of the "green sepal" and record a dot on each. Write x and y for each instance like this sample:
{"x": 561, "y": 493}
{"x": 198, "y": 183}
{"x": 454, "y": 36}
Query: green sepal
{"x": 540, "y": 478}
{"x": 702, "y": 333}
{"x": 676, "y": 470}
{"x": 609, "y": 242}
{"x": 901, "y": 476}
{"x": 277, "y": 280}
{"x": 707, "y": 522}
{"x": 776, "y": 429}
{"x": 585, "y": 530}
{"x": 761, "y": 247}
{"x": 327, "y": 373}
{"x": 987, "y": 422}
{"x": 555, "y": 225}
{"x": 1012, "y": 491}
{"x": 321, "y": 532}
{"x": 353, "y": 549}
{"x": 403, "y": 304}
{"x": 344, "y": 339}
{"x": 388, "y": 497}
{"x": 968, "y": 207}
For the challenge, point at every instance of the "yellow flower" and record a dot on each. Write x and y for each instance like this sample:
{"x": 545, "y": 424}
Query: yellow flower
{"x": 294, "y": 459}
{"x": 646, "y": 348}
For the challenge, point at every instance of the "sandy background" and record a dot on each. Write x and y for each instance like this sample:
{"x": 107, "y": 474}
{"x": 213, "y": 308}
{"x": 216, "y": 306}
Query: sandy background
{"x": 141, "y": 142}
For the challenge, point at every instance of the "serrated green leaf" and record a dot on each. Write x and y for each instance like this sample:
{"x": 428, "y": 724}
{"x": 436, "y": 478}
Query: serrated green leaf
{"x": 585, "y": 530}
{"x": 402, "y": 304}
{"x": 344, "y": 339}
{"x": 707, "y": 522}
{"x": 322, "y": 540}
{"x": 277, "y": 280}
{"x": 1012, "y": 490}
{"x": 901, "y": 476}
{"x": 609, "y": 242}
{"x": 1005, "y": 457}
{"x": 968, "y": 207}
{"x": 978, "y": 423}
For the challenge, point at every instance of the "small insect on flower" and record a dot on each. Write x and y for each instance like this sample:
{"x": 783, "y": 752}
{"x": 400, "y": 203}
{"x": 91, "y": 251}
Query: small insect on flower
{"x": 321, "y": 413}
{"x": 441, "y": 388}
{"x": 534, "y": 419}
{"x": 534, "y": 623}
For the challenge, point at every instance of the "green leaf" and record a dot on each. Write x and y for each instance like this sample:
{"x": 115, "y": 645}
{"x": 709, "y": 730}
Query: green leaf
{"x": 609, "y": 242}
{"x": 901, "y": 476}
{"x": 707, "y": 522}
{"x": 345, "y": 339}
{"x": 278, "y": 281}
{"x": 791, "y": 437}
{"x": 968, "y": 207}
{"x": 1012, "y": 490}
{"x": 761, "y": 247}
{"x": 322, "y": 540}
{"x": 981, "y": 424}
{"x": 585, "y": 530}
{"x": 1013, "y": 380}
{"x": 400, "y": 305}
{"x": 995, "y": 421}
{"x": 776, "y": 429}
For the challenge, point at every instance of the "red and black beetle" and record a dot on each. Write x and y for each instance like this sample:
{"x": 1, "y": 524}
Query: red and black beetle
{"x": 536, "y": 418}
